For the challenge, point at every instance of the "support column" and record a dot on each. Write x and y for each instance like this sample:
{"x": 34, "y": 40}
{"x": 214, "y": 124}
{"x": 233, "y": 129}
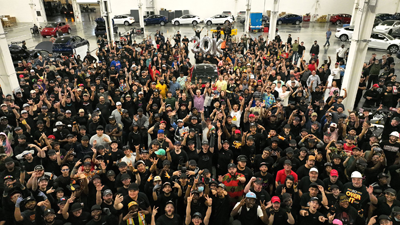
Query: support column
{"x": 110, "y": 20}
{"x": 77, "y": 11}
{"x": 355, "y": 11}
{"x": 104, "y": 16}
{"x": 358, "y": 49}
{"x": 33, "y": 11}
{"x": 247, "y": 21}
{"x": 8, "y": 78}
{"x": 141, "y": 14}
{"x": 273, "y": 20}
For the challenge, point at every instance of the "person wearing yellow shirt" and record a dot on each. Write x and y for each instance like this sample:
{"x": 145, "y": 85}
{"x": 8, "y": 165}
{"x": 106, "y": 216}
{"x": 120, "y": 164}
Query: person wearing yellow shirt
{"x": 221, "y": 84}
{"x": 162, "y": 87}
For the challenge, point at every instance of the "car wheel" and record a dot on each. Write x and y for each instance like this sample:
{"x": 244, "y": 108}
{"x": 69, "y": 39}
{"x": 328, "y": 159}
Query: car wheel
{"x": 279, "y": 22}
{"x": 176, "y": 23}
{"x": 393, "y": 49}
{"x": 226, "y": 22}
{"x": 209, "y": 23}
{"x": 343, "y": 37}
{"x": 297, "y": 22}
{"x": 162, "y": 23}
{"x": 194, "y": 23}
{"x": 44, "y": 36}
{"x": 126, "y": 23}
{"x": 338, "y": 22}
{"x": 69, "y": 31}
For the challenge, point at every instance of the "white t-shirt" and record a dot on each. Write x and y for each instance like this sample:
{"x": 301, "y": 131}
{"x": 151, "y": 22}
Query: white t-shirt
{"x": 285, "y": 97}
{"x": 259, "y": 211}
{"x": 236, "y": 117}
{"x": 131, "y": 159}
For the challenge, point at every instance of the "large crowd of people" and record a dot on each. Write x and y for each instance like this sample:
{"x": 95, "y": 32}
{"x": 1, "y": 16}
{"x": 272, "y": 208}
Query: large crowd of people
{"x": 130, "y": 137}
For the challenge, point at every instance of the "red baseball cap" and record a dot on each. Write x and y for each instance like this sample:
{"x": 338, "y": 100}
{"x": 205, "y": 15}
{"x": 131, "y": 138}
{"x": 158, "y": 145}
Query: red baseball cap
{"x": 252, "y": 115}
{"x": 275, "y": 199}
{"x": 21, "y": 76}
{"x": 237, "y": 131}
{"x": 334, "y": 173}
{"x": 51, "y": 137}
{"x": 375, "y": 85}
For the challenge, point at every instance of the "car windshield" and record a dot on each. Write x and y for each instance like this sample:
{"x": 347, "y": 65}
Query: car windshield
{"x": 386, "y": 36}
{"x": 52, "y": 25}
{"x": 388, "y": 22}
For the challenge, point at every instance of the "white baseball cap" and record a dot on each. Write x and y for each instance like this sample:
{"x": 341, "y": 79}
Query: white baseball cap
{"x": 313, "y": 170}
{"x": 395, "y": 133}
{"x": 356, "y": 174}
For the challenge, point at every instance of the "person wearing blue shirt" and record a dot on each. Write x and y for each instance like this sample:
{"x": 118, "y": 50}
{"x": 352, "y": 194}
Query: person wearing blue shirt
{"x": 328, "y": 36}
{"x": 116, "y": 64}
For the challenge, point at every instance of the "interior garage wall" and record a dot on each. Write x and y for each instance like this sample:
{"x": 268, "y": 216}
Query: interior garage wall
{"x": 22, "y": 10}
{"x": 207, "y": 8}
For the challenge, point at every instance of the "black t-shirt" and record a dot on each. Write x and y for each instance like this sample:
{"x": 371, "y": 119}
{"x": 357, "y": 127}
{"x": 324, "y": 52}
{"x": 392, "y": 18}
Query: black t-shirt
{"x": 81, "y": 220}
{"x": 142, "y": 200}
{"x": 205, "y": 160}
{"x": 390, "y": 150}
{"x": 261, "y": 196}
{"x": 164, "y": 220}
{"x": 311, "y": 219}
{"x": 305, "y": 182}
{"x": 280, "y": 217}
{"x": 104, "y": 220}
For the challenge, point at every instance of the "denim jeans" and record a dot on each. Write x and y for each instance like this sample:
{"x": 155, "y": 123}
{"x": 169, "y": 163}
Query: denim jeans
{"x": 296, "y": 57}
{"x": 327, "y": 41}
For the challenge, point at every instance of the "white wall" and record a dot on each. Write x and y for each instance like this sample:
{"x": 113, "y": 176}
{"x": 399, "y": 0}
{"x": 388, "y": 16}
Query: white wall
{"x": 21, "y": 10}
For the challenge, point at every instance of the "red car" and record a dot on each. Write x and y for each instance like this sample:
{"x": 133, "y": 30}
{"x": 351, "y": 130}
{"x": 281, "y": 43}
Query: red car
{"x": 52, "y": 28}
{"x": 340, "y": 19}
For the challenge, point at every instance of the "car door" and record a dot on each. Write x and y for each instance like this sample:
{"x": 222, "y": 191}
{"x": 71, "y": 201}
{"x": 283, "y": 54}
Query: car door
{"x": 378, "y": 41}
{"x": 217, "y": 19}
{"x": 63, "y": 27}
{"x": 184, "y": 19}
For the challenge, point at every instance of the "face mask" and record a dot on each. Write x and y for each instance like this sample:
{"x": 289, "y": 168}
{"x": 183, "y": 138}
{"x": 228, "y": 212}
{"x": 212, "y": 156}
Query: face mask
{"x": 397, "y": 220}
{"x": 200, "y": 189}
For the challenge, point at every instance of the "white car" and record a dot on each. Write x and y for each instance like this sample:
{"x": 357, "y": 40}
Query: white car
{"x": 378, "y": 40}
{"x": 124, "y": 19}
{"x": 345, "y": 33}
{"x": 387, "y": 26}
{"x": 218, "y": 19}
{"x": 187, "y": 19}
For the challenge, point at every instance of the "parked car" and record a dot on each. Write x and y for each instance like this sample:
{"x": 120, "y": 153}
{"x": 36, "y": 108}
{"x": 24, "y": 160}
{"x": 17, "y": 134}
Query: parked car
{"x": 155, "y": 19}
{"x": 395, "y": 32}
{"x": 241, "y": 15}
{"x": 52, "y": 28}
{"x": 396, "y": 16}
{"x": 377, "y": 21}
{"x": 19, "y": 54}
{"x": 378, "y": 40}
{"x": 218, "y": 19}
{"x": 206, "y": 72}
{"x": 384, "y": 16}
{"x": 340, "y": 19}
{"x": 187, "y": 19}
{"x": 67, "y": 10}
{"x": 124, "y": 19}
{"x": 71, "y": 45}
{"x": 265, "y": 20}
{"x": 290, "y": 18}
{"x": 387, "y": 26}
